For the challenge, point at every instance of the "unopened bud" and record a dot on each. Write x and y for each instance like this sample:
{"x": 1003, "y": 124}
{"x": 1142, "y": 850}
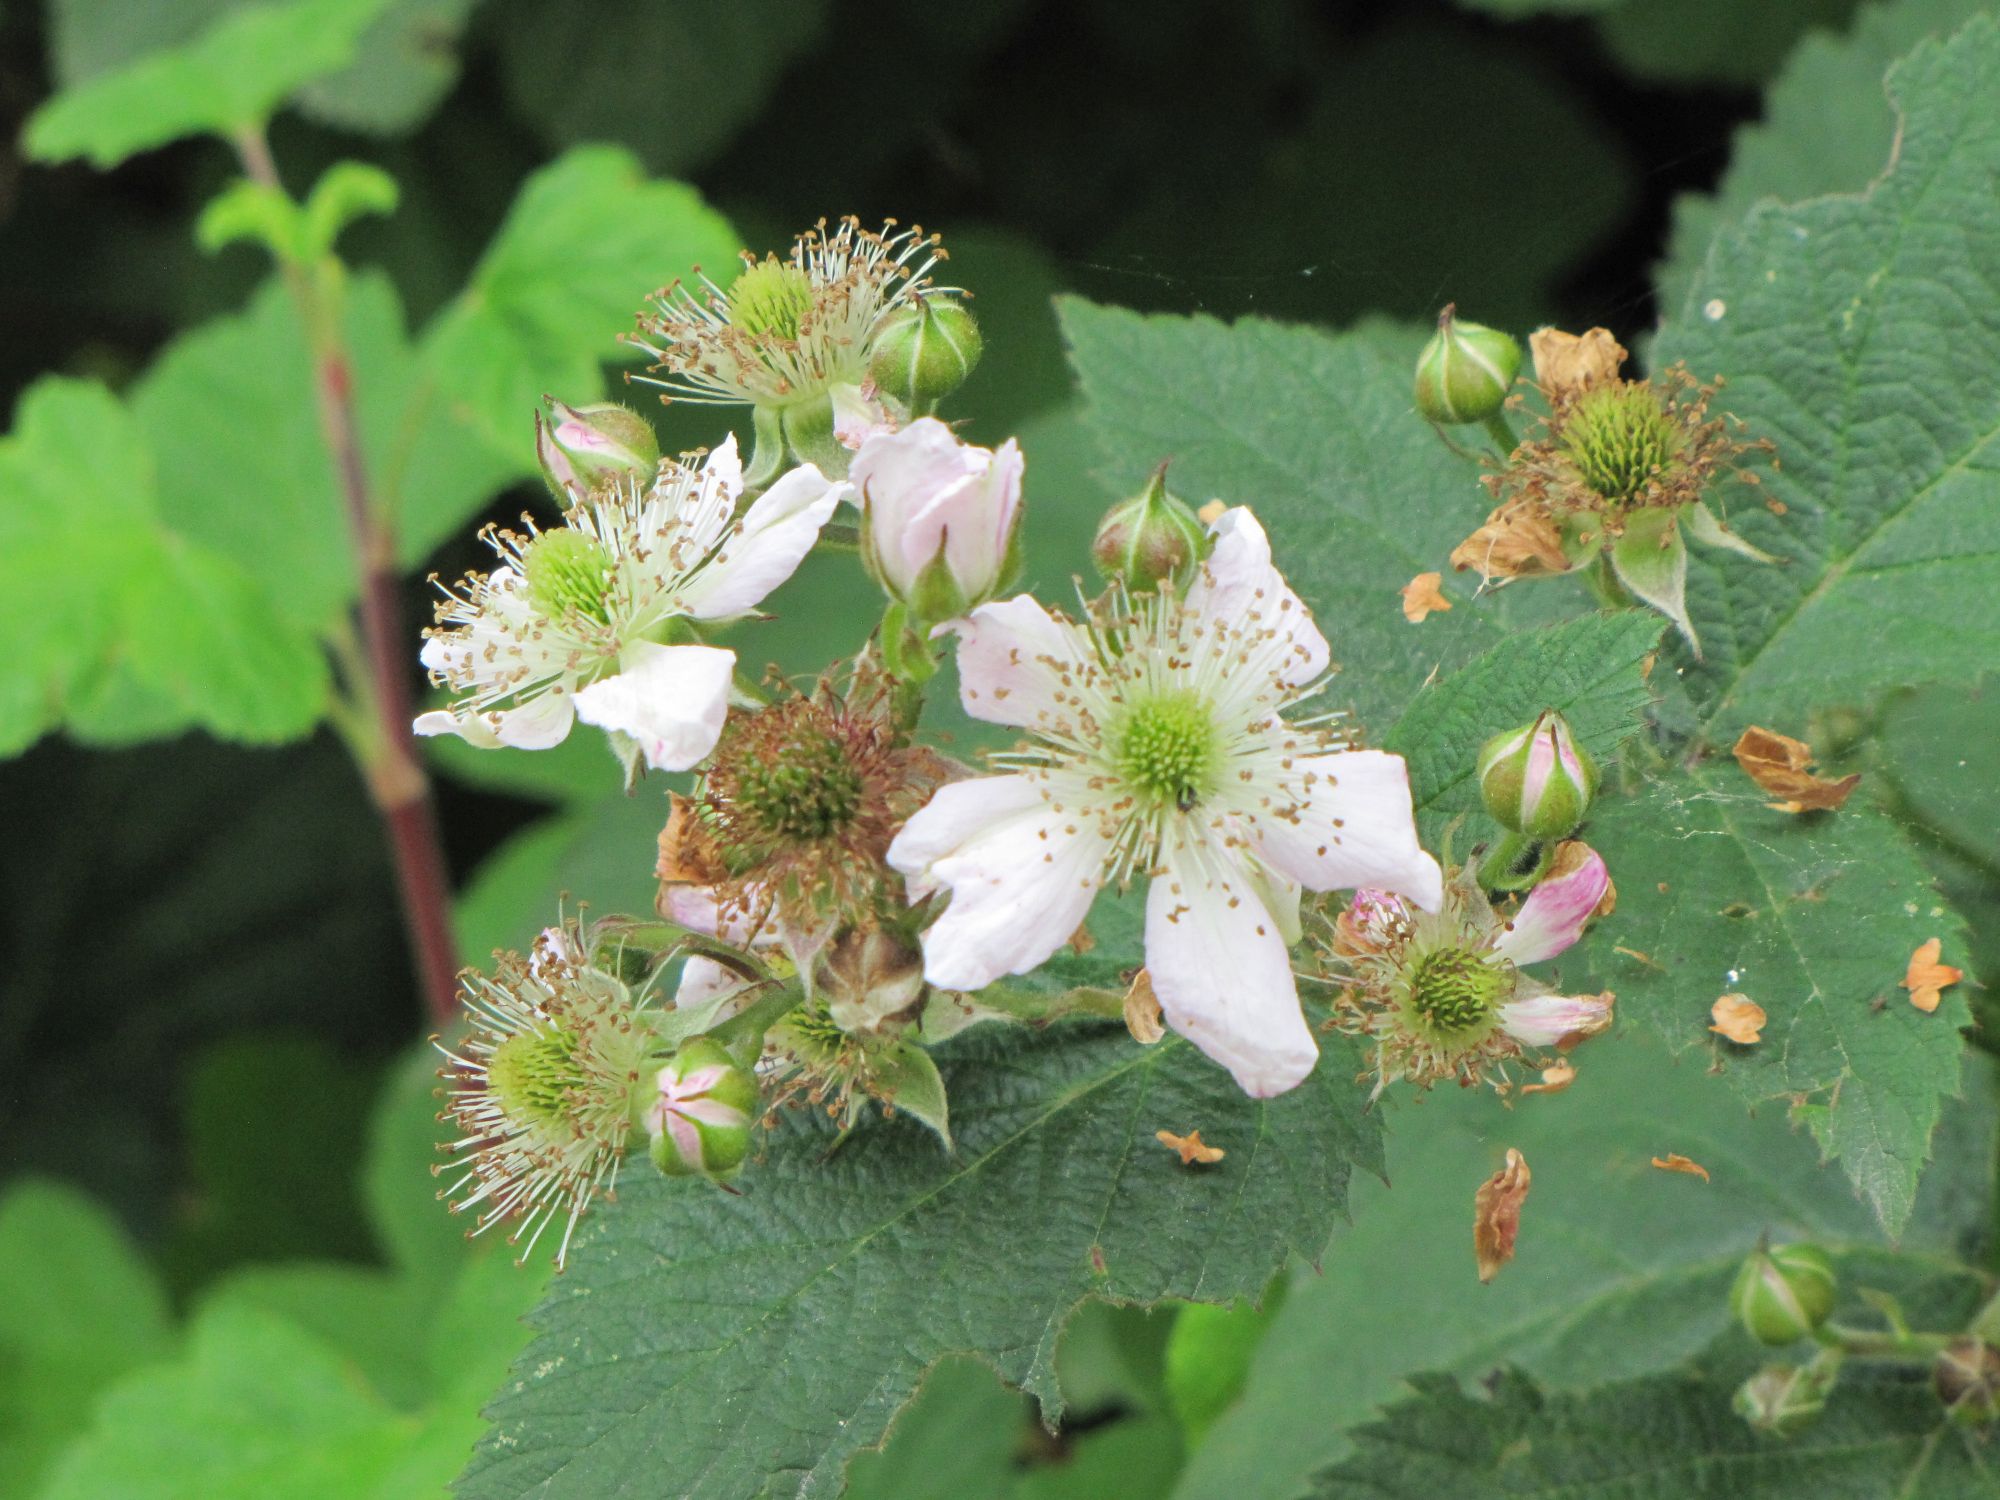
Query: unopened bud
{"x": 582, "y": 447}
{"x": 1538, "y": 780}
{"x": 1465, "y": 371}
{"x": 699, "y": 1112}
{"x": 925, "y": 352}
{"x": 1785, "y": 1399}
{"x": 1966, "y": 1376}
{"x": 1149, "y": 540}
{"x": 1784, "y": 1294}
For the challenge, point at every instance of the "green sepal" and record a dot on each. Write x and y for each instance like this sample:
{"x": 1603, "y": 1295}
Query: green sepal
{"x": 903, "y": 1076}
{"x": 1650, "y": 559}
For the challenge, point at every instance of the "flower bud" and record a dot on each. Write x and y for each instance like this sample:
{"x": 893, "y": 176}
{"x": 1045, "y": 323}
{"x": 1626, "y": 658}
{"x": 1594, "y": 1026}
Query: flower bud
{"x": 699, "y": 1112}
{"x": 1465, "y": 371}
{"x": 1538, "y": 780}
{"x": 582, "y": 447}
{"x": 1966, "y": 1377}
{"x": 1783, "y": 1294}
{"x": 938, "y": 517}
{"x": 1149, "y": 540}
{"x": 925, "y": 352}
{"x": 1786, "y": 1399}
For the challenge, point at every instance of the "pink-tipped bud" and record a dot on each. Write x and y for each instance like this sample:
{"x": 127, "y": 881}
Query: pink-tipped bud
{"x": 1151, "y": 540}
{"x": 1537, "y": 781}
{"x": 699, "y": 1112}
{"x": 582, "y": 447}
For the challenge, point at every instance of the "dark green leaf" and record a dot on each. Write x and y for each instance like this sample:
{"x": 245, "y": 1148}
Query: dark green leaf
{"x": 825, "y": 1290}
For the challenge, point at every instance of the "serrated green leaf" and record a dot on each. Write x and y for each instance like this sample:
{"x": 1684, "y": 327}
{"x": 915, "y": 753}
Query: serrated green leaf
{"x": 1621, "y": 1270}
{"x": 1863, "y": 335}
{"x": 1813, "y": 918}
{"x": 404, "y": 65}
{"x": 228, "y": 78}
{"x": 1713, "y": 41}
{"x": 1799, "y": 148}
{"x": 84, "y": 1310}
{"x": 1672, "y": 1436}
{"x": 1591, "y": 669}
{"x": 587, "y": 238}
{"x": 1315, "y": 433}
{"x": 1134, "y": 1460}
{"x": 118, "y": 625}
{"x": 956, "y": 1440}
{"x": 825, "y": 1289}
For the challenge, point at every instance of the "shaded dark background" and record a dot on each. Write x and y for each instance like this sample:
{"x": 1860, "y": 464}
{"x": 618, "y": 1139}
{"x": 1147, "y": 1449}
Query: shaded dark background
{"x": 204, "y": 972}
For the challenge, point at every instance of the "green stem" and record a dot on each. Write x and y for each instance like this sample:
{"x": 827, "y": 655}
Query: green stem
{"x": 1502, "y": 434}
{"x": 1863, "y": 1343}
{"x": 749, "y": 1024}
{"x": 1502, "y": 868}
{"x": 1605, "y": 586}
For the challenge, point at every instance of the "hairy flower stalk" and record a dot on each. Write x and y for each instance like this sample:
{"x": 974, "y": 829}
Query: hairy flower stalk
{"x": 589, "y": 620}
{"x": 792, "y": 337}
{"x": 1441, "y": 994}
{"x": 1159, "y": 748}
{"x": 546, "y": 1090}
{"x": 1617, "y": 470}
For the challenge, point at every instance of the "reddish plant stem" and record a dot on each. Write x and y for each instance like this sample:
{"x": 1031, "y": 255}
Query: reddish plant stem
{"x": 387, "y": 755}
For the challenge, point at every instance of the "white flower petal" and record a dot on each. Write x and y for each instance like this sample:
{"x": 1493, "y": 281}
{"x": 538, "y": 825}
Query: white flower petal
{"x": 1541, "y": 1020}
{"x": 1239, "y": 586}
{"x": 776, "y": 533}
{"x": 1354, "y": 826}
{"x": 1018, "y": 665}
{"x": 1218, "y": 964}
{"x": 725, "y": 465}
{"x": 1555, "y": 913}
{"x": 1021, "y": 873}
{"x": 670, "y": 699}
{"x": 703, "y": 980}
{"x": 540, "y": 723}
{"x": 470, "y": 728}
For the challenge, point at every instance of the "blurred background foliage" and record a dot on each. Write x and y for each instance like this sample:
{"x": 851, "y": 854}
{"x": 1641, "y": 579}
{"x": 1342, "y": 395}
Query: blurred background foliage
{"x": 206, "y": 1101}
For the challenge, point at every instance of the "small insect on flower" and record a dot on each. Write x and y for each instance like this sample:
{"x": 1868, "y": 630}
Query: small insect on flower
{"x": 1159, "y": 748}
{"x": 590, "y": 620}
{"x": 546, "y": 1090}
{"x": 1441, "y": 994}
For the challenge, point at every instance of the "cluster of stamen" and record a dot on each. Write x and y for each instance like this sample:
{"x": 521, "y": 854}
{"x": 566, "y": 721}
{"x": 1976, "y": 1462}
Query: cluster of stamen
{"x": 787, "y": 329}
{"x": 542, "y": 1091}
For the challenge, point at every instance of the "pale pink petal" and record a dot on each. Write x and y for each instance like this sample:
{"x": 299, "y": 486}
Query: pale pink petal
{"x": 702, "y": 980}
{"x": 1218, "y": 964}
{"x": 1354, "y": 826}
{"x": 956, "y": 814}
{"x": 1555, "y": 913}
{"x": 899, "y": 475}
{"x": 1544, "y": 1020}
{"x": 776, "y": 533}
{"x": 976, "y": 535}
{"x": 711, "y": 1112}
{"x": 1541, "y": 762}
{"x": 1019, "y": 665}
{"x": 1239, "y": 587}
{"x": 670, "y": 699}
{"x": 858, "y": 415}
{"x": 1021, "y": 884}
{"x": 700, "y": 1081}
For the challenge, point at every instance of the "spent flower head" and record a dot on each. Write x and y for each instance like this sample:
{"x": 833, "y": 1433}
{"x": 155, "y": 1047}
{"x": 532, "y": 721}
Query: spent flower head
{"x": 1159, "y": 748}
{"x": 590, "y": 619}
{"x": 1619, "y": 467}
{"x": 1441, "y": 994}
{"x": 544, "y": 1089}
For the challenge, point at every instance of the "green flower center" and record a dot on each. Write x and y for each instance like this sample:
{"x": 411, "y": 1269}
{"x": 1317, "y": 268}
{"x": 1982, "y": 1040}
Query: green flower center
{"x": 771, "y": 298}
{"x": 1168, "y": 750}
{"x": 804, "y": 788}
{"x": 1454, "y": 991}
{"x": 534, "y": 1075}
{"x": 1619, "y": 437}
{"x": 569, "y": 574}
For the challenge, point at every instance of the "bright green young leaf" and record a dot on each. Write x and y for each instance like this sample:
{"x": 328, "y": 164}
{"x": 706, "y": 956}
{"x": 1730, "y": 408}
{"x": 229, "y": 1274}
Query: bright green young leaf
{"x": 257, "y": 1407}
{"x": 273, "y": 504}
{"x": 690, "y": 1317}
{"x": 119, "y": 624}
{"x": 1815, "y": 919}
{"x": 294, "y": 233}
{"x": 1209, "y": 1355}
{"x": 228, "y": 78}
{"x": 252, "y": 211}
{"x": 1799, "y": 148}
{"x": 1863, "y": 335}
{"x": 1621, "y": 1269}
{"x": 1316, "y": 434}
{"x": 1134, "y": 1460}
{"x": 346, "y": 191}
{"x": 1714, "y": 41}
{"x": 956, "y": 1440}
{"x": 1673, "y": 1435}
{"x": 1592, "y": 669}
{"x": 587, "y": 238}
{"x": 82, "y": 1310}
